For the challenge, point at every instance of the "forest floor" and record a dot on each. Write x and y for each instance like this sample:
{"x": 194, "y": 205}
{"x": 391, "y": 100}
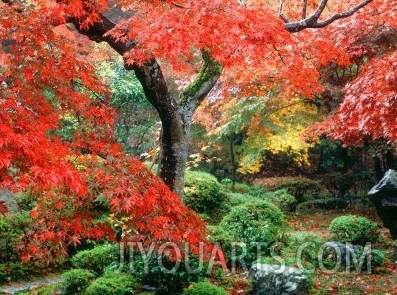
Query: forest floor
{"x": 380, "y": 281}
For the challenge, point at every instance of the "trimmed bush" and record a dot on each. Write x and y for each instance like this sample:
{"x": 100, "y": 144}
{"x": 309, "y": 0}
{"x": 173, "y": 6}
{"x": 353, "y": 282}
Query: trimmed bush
{"x": 303, "y": 189}
{"x": 96, "y": 259}
{"x": 378, "y": 258}
{"x": 204, "y": 288}
{"x": 112, "y": 284}
{"x": 75, "y": 281}
{"x": 309, "y": 253}
{"x": 321, "y": 204}
{"x": 202, "y": 192}
{"x": 253, "y": 223}
{"x": 171, "y": 277}
{"x": 354, "y": 229}
{"x": 282, "y": 199}
{"x": 235, "y": 199}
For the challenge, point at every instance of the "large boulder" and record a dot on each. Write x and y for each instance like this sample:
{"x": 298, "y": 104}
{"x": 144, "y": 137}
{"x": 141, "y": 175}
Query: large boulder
{"x": 384, "y": 197}
{"x": 271, "y": 279}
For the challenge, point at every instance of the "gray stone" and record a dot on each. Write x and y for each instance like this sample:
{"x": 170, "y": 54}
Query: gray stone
{"x": 384, "y": 197}
{"x": 8, "y": 199}
{"x": 271, "y": 279}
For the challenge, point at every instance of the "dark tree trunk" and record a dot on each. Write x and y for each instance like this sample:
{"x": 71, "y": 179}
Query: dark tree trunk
{"x": 175, "y": 115}
{"x": 174, "y": 141}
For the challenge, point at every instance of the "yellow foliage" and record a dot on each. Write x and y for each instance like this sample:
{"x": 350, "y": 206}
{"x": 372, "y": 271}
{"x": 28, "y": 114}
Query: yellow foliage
{"x": 278, "y": 131}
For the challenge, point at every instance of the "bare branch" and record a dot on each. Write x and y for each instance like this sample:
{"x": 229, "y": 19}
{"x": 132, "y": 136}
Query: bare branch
{"x": 304, "y": 9}
{"x": 280, "y": 13}
{"x": 342, "y": 15}
{"x": 312, "y": 21}
{"x": 280, "y": 9}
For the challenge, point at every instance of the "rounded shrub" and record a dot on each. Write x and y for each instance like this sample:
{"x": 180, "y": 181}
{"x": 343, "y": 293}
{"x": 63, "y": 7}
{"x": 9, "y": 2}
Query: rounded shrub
{"x": 378, "y": 257}
{"x": 282, "y": 199}
{"x": 303, "y": 189}
{"x": 255, "y": 223}
{"x": 321, "y": 204}
{"x": 235, "y": 199}
{"x": 169, "y": 276}
{"x": 204, "y": 288}
{"x": 75, "y": 281}
{"x": 354, "y": 229}
{"x": 96, "y": 259}
{"x": 112, "y": 283}
{"x": 202, "y": 192}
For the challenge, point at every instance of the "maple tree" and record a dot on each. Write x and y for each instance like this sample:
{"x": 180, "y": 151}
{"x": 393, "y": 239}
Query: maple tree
{"x": 366, "y": 114}
{"x": 201, "y": 39}
{"x": 68, "y": 175}
{"x": 228, "y": 36}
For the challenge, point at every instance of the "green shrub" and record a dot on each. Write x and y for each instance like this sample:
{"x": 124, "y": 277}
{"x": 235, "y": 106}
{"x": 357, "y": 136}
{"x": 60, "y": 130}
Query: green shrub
{"x": 235, "y": 199}
{"x": 112, "y": 283}
{"x": 307, "y": 244}
{"x": 377, "y": 257}
{"x": 204, "y": 288}
{"x": 242, "y": 188}
{"x": 12, "y": 226}
{"x": 282, "y": 199}
{"x": 75, "y": 281}
{"x": 96, "y": 259}
{"x": 321, "y": 204}
{"x": 303, "y": 189}
{"x": 299, "y": 250}
{"x": 202, "y": 192}
{"x": 338, "y": 184}
{"x": 253, "y": 223}
{"x": 354, "y": 229}
{"x": 171, "y": 277}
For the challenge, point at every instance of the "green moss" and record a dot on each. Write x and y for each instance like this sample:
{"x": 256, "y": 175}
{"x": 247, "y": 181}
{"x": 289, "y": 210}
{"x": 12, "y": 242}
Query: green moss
{"x": 209, "y": 70}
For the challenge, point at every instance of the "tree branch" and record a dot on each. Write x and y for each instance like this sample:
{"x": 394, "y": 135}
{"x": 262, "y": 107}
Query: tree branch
{"x": 304, "y": 9}
{"x": 312, "y": 21}
{"x": 156, "y": 90}
{"x": 149, "y": 74}
{"x": 280, "y": 13}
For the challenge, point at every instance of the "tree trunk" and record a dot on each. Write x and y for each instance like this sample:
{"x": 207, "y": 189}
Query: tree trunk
{"x": 173, "y": 156}
{"x": 175, "y": 115}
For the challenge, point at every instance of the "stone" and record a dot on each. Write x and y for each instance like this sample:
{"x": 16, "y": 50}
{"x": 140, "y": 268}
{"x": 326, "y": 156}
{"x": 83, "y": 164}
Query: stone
{"x": 271, "y": 279}
{"x": 8, "y": 200}
{"x": 384, "y": 197}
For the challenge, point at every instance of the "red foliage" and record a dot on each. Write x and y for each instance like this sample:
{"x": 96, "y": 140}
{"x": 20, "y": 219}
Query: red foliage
{"x": 3, "y": 208}
{"x": 43, "y": 83}
{"x": 368, "y": 109}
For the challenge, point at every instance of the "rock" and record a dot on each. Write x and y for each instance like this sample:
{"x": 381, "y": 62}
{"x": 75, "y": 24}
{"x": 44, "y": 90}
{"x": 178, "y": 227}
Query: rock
{"x": 8, "y": 200}
{"x": 273, "y": 280}
{"x": 384, "y": 197}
